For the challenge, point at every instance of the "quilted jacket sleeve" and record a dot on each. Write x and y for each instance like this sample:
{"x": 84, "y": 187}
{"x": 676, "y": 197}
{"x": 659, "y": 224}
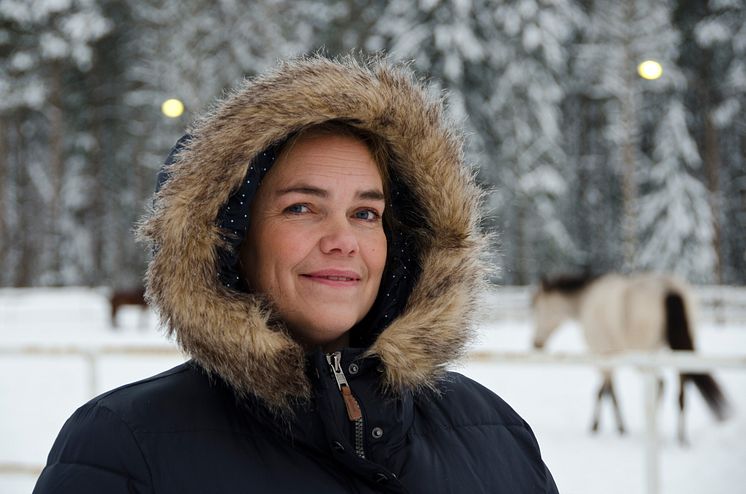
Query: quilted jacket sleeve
{"x": 95, "y": 452}
{"x": 551, "y": 486}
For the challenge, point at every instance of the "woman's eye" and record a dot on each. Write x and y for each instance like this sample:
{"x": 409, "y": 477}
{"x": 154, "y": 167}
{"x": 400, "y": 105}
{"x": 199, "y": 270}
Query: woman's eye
{"x": 367, "y": 215}
{"x": 297, "y": 209}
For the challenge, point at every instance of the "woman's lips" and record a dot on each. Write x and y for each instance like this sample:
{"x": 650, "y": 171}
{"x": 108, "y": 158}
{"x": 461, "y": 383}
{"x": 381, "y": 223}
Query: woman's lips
{"x": 334, "y": 277}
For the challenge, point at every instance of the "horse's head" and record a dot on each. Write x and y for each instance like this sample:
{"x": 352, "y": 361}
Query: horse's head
{"x": 550, "y": 309}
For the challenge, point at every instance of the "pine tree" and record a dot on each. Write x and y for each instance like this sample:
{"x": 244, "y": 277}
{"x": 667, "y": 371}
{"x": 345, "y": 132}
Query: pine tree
{"x": 191, "y": 50}
{"x": 501, "y": 64}
{"x": 716, "y": 65}
{"x": 49, "y": 44}
{"x": 675, "y": 215}
{"x": 521, "y": 122}
{"x": 619, "y": 36}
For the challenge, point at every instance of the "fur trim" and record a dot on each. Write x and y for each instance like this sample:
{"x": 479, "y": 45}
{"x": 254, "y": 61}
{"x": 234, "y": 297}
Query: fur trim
{"x": 232, "y": 334}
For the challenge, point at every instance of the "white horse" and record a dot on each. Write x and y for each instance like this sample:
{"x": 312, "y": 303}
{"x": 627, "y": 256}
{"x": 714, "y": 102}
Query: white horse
{"x": 617, "y": 313}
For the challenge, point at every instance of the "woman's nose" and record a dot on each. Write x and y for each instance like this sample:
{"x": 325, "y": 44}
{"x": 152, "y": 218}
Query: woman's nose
{"x": 339, "y": 238}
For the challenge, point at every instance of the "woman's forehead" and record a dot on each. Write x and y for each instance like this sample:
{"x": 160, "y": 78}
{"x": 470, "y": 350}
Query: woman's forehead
{"x": 325, "y": 160}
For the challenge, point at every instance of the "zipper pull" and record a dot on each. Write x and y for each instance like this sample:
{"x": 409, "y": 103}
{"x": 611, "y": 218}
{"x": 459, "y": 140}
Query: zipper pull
{"x": 353, "y": 408}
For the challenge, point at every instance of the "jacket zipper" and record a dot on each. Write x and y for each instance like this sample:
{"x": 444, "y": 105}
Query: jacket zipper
{"x": 354, "y": 414}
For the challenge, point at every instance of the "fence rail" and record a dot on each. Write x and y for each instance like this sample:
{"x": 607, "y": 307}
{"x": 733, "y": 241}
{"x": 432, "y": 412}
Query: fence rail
{"x": 648, "y": 363}
{"x": 682, "y": 361}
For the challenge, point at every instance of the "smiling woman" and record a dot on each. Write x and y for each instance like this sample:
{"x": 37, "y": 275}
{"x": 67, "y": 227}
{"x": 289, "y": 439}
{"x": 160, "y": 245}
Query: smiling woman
{"x": 316, "y": 245}
{"x": 317, "y": 253}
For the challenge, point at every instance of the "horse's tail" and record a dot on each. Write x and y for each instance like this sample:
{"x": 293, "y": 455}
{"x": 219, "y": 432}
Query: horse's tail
{"x": 679, "y": 337}
{"x": 711, "y": 392}
{"x": 678, "y": 330}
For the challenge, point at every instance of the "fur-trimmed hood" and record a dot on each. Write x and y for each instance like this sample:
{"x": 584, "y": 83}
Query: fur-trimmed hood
{"x": 234, "y": 334}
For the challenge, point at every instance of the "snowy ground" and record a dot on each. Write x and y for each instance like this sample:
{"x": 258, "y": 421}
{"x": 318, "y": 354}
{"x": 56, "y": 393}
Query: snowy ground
{"x": 39, "y": 391}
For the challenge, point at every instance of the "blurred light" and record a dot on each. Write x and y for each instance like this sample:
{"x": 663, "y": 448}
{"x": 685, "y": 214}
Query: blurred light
{"x": 650, "y": 70}
{"x": 172, "y": 108}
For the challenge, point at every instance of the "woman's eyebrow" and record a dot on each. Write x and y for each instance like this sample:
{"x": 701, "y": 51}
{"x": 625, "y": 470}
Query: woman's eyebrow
{"x": 303, "y": 189}
{"x": 369, "y": 194}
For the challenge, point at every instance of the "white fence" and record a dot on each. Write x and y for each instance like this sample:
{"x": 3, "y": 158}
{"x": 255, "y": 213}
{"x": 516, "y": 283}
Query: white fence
{"x": 649, "y": 365}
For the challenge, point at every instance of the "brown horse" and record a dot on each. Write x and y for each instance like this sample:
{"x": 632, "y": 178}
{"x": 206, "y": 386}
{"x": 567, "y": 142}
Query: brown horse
{"x": 617, "y": 313}
{"x": 118, "y": 298}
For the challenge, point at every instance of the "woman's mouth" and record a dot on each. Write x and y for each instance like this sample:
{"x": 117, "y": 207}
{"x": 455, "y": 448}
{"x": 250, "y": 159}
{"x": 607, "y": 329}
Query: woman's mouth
{"x": 333, "y": 277}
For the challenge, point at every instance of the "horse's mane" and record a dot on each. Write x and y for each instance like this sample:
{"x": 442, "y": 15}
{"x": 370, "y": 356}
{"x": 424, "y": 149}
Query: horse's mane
{"x": 567, "y": 283}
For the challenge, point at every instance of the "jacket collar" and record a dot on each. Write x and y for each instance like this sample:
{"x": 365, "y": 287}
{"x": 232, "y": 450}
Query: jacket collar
{"x": 322, "y": 424}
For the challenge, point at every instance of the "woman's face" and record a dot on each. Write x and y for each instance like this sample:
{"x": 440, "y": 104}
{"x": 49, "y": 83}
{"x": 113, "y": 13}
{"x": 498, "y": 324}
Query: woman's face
{"x": 316, "y": 245}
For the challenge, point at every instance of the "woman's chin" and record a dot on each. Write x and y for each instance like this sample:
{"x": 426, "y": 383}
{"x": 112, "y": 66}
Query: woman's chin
{"x": 335, "y": 345}
{"x": 322, "y": 332}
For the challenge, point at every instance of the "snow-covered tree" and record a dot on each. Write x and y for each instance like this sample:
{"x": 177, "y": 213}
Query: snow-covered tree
{"x": 192, "y": 50}
{"x": 674, "y": 215}
{"x": 501, "y": 63}
{"x": 521, "y": 124}
{"x": 619, "y": 36}
{"x": 441, "y": 39}
{"x": 571, "y": 142}
{"x": 44, "y": 43}
{"x": 717, "y": 64}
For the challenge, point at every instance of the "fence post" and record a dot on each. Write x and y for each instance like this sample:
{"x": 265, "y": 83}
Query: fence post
{"x": 652, "y": 459}
{"x": 90, "y": 358}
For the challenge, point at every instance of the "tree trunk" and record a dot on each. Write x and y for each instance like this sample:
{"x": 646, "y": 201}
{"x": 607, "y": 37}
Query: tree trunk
{"x": 629, "y": 151}
{"x": 57, "y": 168}
{"x": 712, "y": 168}
{"x": 98, "y": 218}
{"x": 24, "y": 270}
{"x": 711, "y": 155}
{"x": 521, "y": 273}
{"x": 583, "y": 187}
{"x": 4, "y": 206}
{"x": 740, "y": 233}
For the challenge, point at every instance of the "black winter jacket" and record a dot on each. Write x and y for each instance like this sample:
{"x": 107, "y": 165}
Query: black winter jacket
{"x": 252, "y": 411}
{"x": 179, "y": 432}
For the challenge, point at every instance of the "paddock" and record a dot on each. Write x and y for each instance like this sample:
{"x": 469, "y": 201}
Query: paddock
{"x": 67, "y": 354}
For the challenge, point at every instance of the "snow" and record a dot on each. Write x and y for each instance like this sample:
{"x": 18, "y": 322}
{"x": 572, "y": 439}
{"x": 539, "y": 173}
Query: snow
{"x": 39, "y": 391}
{"x": 557, "y": 402}
{"x": 712, "y": 31}
{"x": 52, "y": 46}
{"x": 675, "y": 213}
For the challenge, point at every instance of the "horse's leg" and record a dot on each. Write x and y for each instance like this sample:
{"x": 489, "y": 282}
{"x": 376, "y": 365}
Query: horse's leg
{"x": 602, "y": 390}
{"x": 661, "y": 386}
{"x": 682, "y": 404}
{"x": 597, "y": 406}
{"x": 617, "y": 411}
{"x": 114, "y": 309}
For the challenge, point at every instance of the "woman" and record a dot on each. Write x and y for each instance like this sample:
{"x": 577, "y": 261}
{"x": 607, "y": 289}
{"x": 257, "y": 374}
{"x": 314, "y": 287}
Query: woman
{"x": 317, "y": 254}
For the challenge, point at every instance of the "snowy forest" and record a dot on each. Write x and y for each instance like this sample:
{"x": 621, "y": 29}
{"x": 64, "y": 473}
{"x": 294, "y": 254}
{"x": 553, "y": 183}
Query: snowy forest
{"x": 588, "y": 165}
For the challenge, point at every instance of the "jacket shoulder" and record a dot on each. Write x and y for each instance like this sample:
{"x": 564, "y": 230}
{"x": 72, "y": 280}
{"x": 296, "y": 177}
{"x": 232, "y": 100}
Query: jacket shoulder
{"x": 82, "y": 459}
{"x": 99, "y": 449}
{"x": 464, "y": 401}
{"x": 470, "y": 418}
{"x": 179, "y": 398}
